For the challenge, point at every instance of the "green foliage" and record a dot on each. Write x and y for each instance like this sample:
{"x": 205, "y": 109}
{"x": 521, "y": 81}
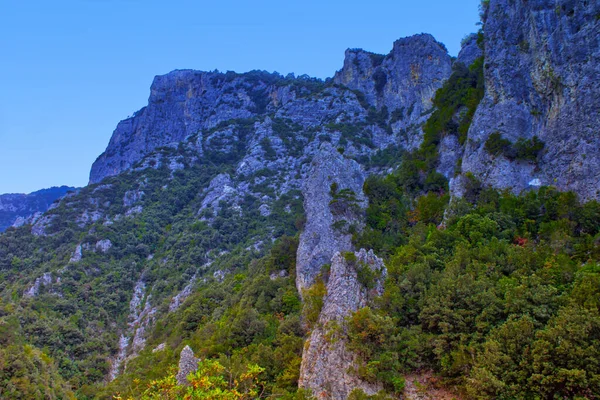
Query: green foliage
{"x": 455, "y": 105}
{"x": 343, "y": 202}
{"x": 380, "y": 79}
{"x": 503, "y": 300}
{"x": 523, "y": 149}
{"x": 270, "y": 153}
{"x": 313, "y": 303}
{"x": 371, "y": 338}
{"x": 28, "y": 373}
{"x": 386, "y": 215}
{"x": 210, "y": 381}
{"x": 77, "y": 320}
{"x": 497, "y": 145}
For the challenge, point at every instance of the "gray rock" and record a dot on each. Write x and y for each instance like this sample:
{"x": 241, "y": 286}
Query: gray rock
{"x": 279, "y": 274}
{"x": 131, "y": 197}
{"x": 542, "y": 77}
{"x": 103, "y": 245}
{"x": 188, "y": 363}
{"x": 265, "y": 210}
{"x": 181, "y": 104}
{"x": 178, "y": 299}
{"x": 77, "y": 255}
{"x": 326, "y": 362}
{"x": 17, "y": 210}
{"x": 160, "y": 347}
{"x": 405, "y": 80}
{"x": 88, "y": 217}
{"x": 221, "y": 188}
{"x": 44, "y": 280}
{"x": 320, "y": 240}
{"x": 39, "y": 227}
{"x": 470, "y": 50}
{"x": 132, "y": 211}
{"x": 450, "y": 151}
{"x": 30, "y": 220}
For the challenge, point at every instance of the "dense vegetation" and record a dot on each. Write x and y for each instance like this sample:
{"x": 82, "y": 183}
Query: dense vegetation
{"x": 501, "y": 301}
{"x": 250, "y": 319}
{"x": 497, "y": 294}
{"x": 68, "y": 329}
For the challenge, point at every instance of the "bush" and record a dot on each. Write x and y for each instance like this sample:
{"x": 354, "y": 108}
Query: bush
{"x": 527, "y": 150}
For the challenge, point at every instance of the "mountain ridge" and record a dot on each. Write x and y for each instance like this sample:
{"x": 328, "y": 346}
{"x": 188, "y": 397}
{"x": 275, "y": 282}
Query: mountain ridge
{"x": 393, "y": 219}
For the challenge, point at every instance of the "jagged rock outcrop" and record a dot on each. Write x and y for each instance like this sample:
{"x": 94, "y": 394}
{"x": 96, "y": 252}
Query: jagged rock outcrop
{"x": 542, "y": 78}
{"x": 181, "y": 104}
{"x": 470, "y": 50}
{"x": 326, "y": 362}
{"x": 43, "y": 282}
{"x": 20, "y": 209}
{"x": 320, "y": 238}
{"x": 188, "y": 363}
{"x": 404, "y": 81}
{"x": 193, "y": 104}
{"x": 133, "y": 339}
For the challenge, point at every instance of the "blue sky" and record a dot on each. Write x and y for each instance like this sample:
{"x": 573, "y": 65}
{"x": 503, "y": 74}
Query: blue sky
{"x": 70, "y": 70}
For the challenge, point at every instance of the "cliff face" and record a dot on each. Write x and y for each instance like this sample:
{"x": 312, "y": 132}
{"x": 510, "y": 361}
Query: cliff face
{"x": 186, "y": 103}
{"x": 404, "y": 81}
{"x": 542, "y": 78}
{"x": 17, "y": 209}
{"x": 226, "y": 160}
{"x": 320, "y": 238}
{"x": 326, "y": 363}
{"x": 181, "y": 103}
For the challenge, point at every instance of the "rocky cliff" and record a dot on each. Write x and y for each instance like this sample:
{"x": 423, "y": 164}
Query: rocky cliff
{"x": 542, "y": 79}
{"x": 195, "y": 186}
{"x": 19, "y": 208}
{"x": 404, "y": 81}
{"x": 290, "y": 112}
{"x": 326, "y": 362}
{"x": 329, "y": 214}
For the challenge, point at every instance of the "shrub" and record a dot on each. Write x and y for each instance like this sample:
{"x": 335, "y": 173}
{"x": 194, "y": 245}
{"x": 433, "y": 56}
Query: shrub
{"x": 496, "y": 145}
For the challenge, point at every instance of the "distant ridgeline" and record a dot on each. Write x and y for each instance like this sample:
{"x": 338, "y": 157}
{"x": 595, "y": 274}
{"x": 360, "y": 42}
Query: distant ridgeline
{"x": 22, "y": 208}
{"x": 417, "y": 226}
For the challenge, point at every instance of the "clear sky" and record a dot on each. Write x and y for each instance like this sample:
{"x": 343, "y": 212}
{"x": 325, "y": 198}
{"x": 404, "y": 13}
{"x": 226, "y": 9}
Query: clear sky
{"x": 70, "y": 70}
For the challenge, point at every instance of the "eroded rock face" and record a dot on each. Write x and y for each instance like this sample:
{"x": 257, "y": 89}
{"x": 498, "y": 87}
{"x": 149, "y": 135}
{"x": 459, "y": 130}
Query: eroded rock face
{"x": 195, "y": 105}
{"x": 320, "y": 238}
{"x": 404, "y": 80}
{"x": 469, "y": 51}
{"x": 542, "y": 78}
{"x": 188, "y": 363}
{"x": 181, "y": 103}
{"x": 326, "y": 362}
{"x": 43, "y": 281}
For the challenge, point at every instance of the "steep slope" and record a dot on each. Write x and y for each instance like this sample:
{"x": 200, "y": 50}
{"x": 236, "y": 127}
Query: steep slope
{"x": 19, "y": 208}
{"x": 542, "y": 79}
{"x": 235, "y": 214}
{"x": 190, "y": 194}
{"x": 327, "y": 363}
{"x": 186, "y": 103}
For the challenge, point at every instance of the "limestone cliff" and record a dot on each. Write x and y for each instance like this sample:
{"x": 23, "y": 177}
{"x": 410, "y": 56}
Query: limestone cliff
{"x": 542, "y": 78}
{"x": 326, "y": 363}
{"x": 205, "y": 105}
{"x": 320, "y": 238}
{"x": 404, "y": 81}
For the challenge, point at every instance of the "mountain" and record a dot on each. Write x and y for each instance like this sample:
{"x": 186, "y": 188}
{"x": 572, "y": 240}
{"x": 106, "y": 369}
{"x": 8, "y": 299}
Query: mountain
{"x": 416, "y": 226}
{"x": 18, "y": 208}
{"x": 539, "y": 87}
